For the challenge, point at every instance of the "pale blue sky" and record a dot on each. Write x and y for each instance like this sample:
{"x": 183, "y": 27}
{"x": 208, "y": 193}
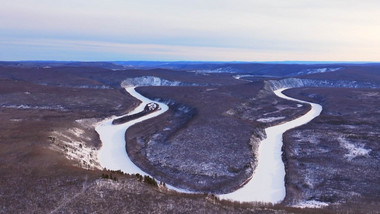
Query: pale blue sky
{"x": 243, "y": 30}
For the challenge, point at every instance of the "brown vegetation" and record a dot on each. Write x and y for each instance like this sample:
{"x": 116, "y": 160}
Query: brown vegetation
{"x": 40, "y": 108}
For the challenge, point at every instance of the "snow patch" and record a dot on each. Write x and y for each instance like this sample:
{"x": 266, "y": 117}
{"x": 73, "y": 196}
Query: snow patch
{"x": 76, "y": 86}
{"x": 372, "y": 94}
{"x": 15, "y": 120}
{"x": 90, "y": 122}
{"x": 231, "y": 112}
{"x": 57, "y": 107}
{"x": 269, "y": 119}
{"x": 109, "y": 184}
{"x": 149, "y": 81}
{"x": 91, "y": 87}
{"x": 273, "y": 85}
{"x": 217, "y": 70}
{"x": 239, "y": 77}
{"x": 311, "y": 204}
{"x": 77, "y": 132}
{"x": 318, "y": 70}
{"x": 72, "y": 143}
{"x": 354, "y": 150}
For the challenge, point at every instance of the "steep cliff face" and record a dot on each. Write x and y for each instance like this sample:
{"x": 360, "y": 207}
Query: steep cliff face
{"x": 272, "y": 85}
{"x": 153, "y": 81}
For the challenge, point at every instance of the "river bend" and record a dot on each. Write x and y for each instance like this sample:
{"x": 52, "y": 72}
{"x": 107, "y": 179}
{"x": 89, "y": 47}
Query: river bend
{"x": 268, "y": 180}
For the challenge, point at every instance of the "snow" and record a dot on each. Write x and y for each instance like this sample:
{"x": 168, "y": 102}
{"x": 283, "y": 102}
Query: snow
{"x": 217, "y": 70}
{"x": 88, "y": 122}
{"x": 354, "y": 150}
{"x": 15, "y": 120}
{"x": 74, "y": 148}
{"x": 230, "y": 112}
{"x": 311, "y": 204}
{"x": 57, "y": 107}
{"x": 77, "y": 132}
{"x": 92, "y": 87}
{"x": 240, "y": 76}
{"x": 148, "y": 81}
{"x": 269, "y": 119}
{"x": 319, "y": 70}
{"x": 297, "y": 83}
{"x": 109, "y": 184}
{"x": 267, "y": 183}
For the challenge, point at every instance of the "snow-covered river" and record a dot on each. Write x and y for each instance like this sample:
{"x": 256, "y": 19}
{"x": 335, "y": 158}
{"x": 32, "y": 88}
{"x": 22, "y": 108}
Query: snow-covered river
{"x": 112, "y": 155}
{"x": 268, "y": 180}
{"x": 267, "y": 183}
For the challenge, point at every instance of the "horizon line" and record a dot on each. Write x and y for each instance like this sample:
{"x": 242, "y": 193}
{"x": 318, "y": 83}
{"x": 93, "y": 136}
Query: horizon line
{"x": 200, "y": 61}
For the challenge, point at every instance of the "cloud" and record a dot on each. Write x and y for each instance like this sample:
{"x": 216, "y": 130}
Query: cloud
{"x": 49, "y": 49}
{"x": 269, "y": 28}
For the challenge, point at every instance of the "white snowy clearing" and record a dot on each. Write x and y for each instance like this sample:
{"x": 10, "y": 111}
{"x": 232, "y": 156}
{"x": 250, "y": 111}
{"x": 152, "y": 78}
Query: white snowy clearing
{"x": 311, "y": 204}
{"x": 354, "y": 150}
{"x": 269, "y": 119}
{"x": 72, "y": 143}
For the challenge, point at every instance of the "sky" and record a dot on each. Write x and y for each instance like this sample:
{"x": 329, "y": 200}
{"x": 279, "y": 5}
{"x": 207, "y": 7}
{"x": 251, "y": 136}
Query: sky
{"x": 192, "y": 30}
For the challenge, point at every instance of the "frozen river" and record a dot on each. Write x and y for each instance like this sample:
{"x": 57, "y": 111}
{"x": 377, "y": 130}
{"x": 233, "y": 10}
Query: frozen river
{"x": 112, "y": 155}
{"x": 268, "y": 179}
{"x": 267, "y": 183}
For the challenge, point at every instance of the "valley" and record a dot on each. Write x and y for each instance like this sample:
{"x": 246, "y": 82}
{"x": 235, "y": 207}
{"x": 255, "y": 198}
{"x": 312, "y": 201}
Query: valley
{"x": 205, "y": 142}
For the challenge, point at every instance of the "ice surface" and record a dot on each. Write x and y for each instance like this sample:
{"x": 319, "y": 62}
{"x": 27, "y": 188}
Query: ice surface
{"x": 267, "y": 183}
{"x": 112, "y": 155}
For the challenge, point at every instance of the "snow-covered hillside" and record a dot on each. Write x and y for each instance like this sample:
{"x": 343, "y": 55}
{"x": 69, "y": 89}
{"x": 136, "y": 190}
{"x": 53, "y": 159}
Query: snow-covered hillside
{"x": 152, "y": 81}
{"x": 317, "y": 70}
{"x": 227, "y": 69}
{"x": 297, "y": 83}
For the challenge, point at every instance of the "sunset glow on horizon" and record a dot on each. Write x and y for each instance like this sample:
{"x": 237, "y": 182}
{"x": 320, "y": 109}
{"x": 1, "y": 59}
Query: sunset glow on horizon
{"x": 216, "y": 30}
